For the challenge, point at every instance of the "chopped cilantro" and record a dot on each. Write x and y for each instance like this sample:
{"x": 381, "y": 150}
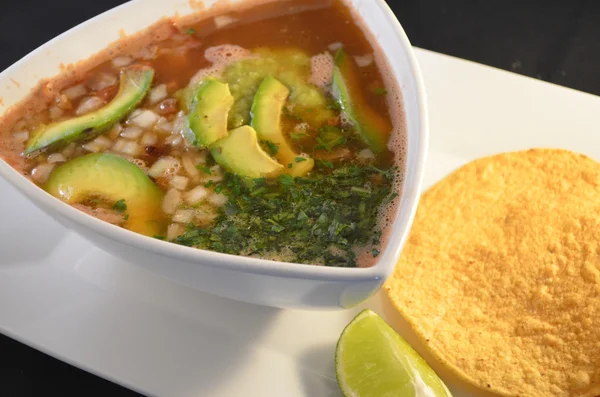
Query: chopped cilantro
{"x": 273, "y": 147}
{"x": 296, "y": 136}
{"x": 120, "y": 206}
{"x": 190, "y": 31}
{"x": 308, "y": 218}
{"x": 204, "y": 168}
{"x": 126, "y": 217}
{"x": 330, "y": 137}
{"x": 159, "y": 237}
{"x": 300, "y": 159}
{"x": 325, "y": 163}
{"x": 286, "y": 180}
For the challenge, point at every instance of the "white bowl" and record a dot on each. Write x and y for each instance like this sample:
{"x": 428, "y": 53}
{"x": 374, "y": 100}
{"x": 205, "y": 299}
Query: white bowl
{"x": 252, "y": 280}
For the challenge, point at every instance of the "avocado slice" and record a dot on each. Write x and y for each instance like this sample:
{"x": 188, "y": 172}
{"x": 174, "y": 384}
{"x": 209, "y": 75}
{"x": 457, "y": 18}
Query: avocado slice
{"x": 110, "y": 178}
{"x": 266, "y": 120}
{"x": 373, "y": 129}
{"x": 210, "y": 109}
{"x": 134, "y": 84}
{"x": 241, "y": 154}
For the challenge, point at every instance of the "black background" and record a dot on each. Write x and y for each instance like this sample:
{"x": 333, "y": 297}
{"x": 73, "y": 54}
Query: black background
{"x": 553, "y": 40}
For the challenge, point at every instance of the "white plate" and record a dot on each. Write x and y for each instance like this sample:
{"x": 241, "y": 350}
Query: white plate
{"x": 61, "y": 295}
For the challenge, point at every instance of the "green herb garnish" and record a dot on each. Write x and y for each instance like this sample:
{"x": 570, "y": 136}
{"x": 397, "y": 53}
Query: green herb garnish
{"x": 120, "y": 206}
{"x": 273, "y": 147}
{"x": 318, "y": 219}
{"x": 296, "y": 136}
{"x": 300, "y": 159}
{"x": 380, "y": 91}
{"x": 190, "y": 31}
{"x": 324, "y": 163}
{"x": 330, "y": 137}
{"x": 204, "y": 168}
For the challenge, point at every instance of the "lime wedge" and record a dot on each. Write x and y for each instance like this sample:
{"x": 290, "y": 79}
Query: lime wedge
{"x": 372, "y": 360}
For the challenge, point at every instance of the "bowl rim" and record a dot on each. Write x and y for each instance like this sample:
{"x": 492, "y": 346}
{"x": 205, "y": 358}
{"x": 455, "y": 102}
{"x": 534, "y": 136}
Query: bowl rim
{"x": 380, "y": 270}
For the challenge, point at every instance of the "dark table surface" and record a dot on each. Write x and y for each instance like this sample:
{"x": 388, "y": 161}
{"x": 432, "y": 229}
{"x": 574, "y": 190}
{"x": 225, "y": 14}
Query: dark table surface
{"x": 552, "y": 40}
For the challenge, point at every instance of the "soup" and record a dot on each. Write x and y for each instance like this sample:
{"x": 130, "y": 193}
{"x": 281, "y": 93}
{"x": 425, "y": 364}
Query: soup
{"x": 273, "y": 132}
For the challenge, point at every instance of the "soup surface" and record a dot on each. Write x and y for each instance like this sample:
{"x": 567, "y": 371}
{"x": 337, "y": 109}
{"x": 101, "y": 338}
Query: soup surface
{"x": 273, "y": 131}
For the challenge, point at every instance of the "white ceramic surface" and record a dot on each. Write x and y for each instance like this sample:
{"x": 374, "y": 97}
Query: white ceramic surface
{"x": 117, "y": 320}
{"x": 245, "y": 279}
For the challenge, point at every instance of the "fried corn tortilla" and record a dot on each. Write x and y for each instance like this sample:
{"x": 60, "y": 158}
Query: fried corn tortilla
{"x": 500, "y": 277}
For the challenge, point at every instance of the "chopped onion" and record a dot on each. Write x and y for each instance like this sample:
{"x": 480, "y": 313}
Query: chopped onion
{"x": 184, "y": 216}
{"x": 149, "y": 139}
{"x": 178, "y": 123}
{"x": 131, "y": 148}
{"x": 55, "y": 112}
{"x": 148, "y": 52}
{"x": 204, "y": 217}
{"x": 41, "y": 173}
{"x": 171, "y": 201}
{"x": 21, "y": 136}
{"x": 224, "y": 20}
{"x": 115, "y": 131}
{"x": 79, "y": 151}
{"x": 92, "y": 147}
{"x": 175, "y": 230}
{"x": 132, "y": 132}
{"x": 196, "y": 195}
{"x": 144, "y": 119}
{"x": 162, "y": 165}
{"x": 121, "y": 61}
{"x": 174, "y": 140}
{"x": 119, "y": 145}
{"x": 56, "y": 158}
{"x": 135, "y": 113}
{"x": 218, "y": 199}
{"x": 164, "y": 126}
{"x": 363, "y": 60}
{"x": 189, "y": 166}
{"x": 101, "y": 81}
{"x": 366, "y": 154}
{"x": 103, "y": 142}
{"x": 75, "y": 92}
{"x": 158, "y": 93}
{"x": 69, "y": 150}
{"x": 335, "y": 46}
{"x": 179, "y": 182}
{"x": 89, "y": 104}
{"x": 63, "y": 102}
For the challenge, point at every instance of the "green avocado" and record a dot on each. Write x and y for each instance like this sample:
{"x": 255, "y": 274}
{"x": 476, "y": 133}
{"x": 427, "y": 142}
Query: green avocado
{"x": 210, "y": 109}
{"x": 111, "y": 179}
{"x": 241, "y": 154}
{"x": 134, "y": 84}
{"x": 291, "y": 66}
{"x": 266, "y": 120}
{"x": 373, "y": 129}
